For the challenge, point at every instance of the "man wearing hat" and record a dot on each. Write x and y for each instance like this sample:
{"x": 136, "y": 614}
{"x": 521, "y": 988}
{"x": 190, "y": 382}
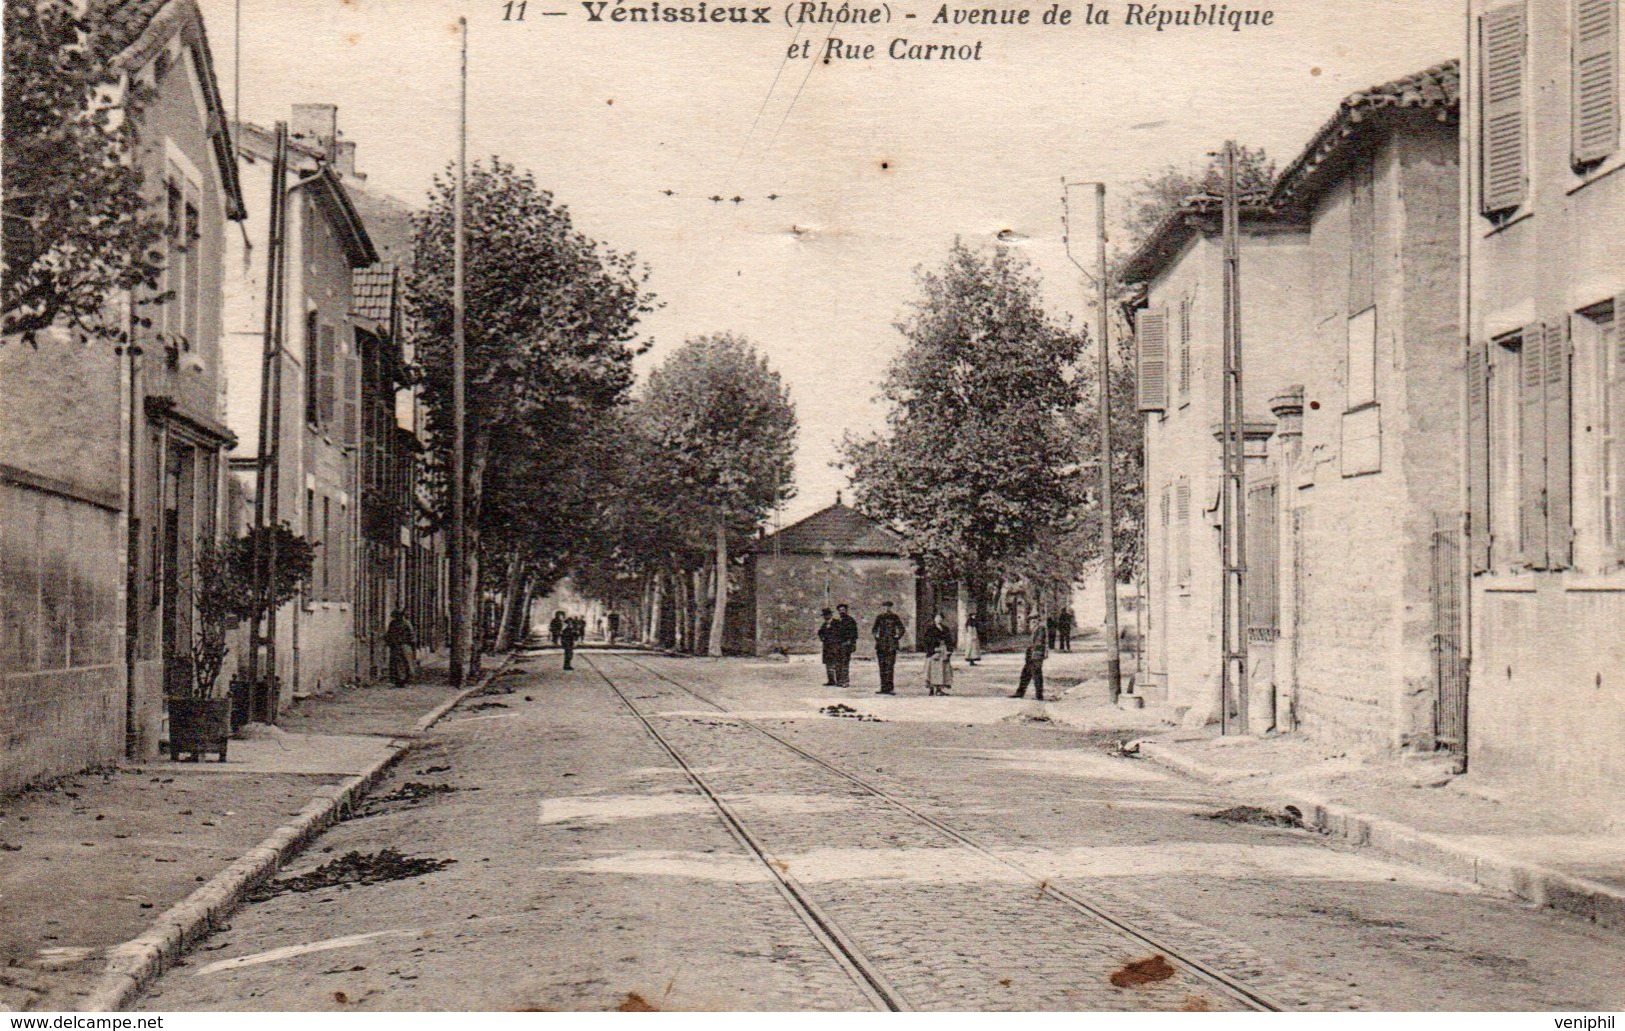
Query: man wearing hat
{"x": 829, "y": 635}
{"x": 846, "y": 634}
{"x": 888, "y": 631}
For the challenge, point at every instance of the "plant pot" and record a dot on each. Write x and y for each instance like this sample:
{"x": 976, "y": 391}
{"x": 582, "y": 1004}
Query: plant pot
{"x": 199, "y": 725}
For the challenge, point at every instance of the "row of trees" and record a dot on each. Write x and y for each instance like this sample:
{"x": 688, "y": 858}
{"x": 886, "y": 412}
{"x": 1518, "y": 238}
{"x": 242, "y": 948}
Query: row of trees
{"x": 642, "y": 497}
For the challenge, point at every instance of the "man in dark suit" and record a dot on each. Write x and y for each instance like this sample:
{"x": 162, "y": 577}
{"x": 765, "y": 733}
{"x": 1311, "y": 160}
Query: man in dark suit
{"x": 888, "y": 631}
{"x": 847, "y": 635}
{"x": 569, "y": 634}
{"x": 1032, "y": 670}
{"x": 829, "y": 642}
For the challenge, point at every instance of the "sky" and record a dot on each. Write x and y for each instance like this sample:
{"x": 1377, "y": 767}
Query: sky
{"x": 878, "y": 165}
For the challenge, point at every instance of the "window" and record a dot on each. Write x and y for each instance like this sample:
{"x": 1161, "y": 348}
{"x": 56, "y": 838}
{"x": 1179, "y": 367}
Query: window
{"x": 1609, "y": 366}
{"x": 313, "y": 388}
{"x": 1363, "y": 235}
{"x": 1503, "y": 46}
{"x": 1151, "y": 331}
{"x": 1362, "y": 359}
{"x": 328, "y": 548}
{"x": 1185, "y": 348}
{"x": 1182, "y": 514}
{"x": 183, "y": 260}
{"x": 1595, "y": 87}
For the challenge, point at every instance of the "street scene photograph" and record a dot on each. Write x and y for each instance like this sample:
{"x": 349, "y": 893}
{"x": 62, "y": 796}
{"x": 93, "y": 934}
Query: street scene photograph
{"x": 829, "y": 507}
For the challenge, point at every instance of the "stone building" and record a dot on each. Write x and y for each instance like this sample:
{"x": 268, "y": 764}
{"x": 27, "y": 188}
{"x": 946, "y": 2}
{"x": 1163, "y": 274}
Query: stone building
{"x": 323, "y": 357}
{"x": 1350, "y": 285}
{"x": 834, "y": 556}
{"x": 1545, "y": 236}
{"x": 1360, "y": 501}
{"x": 1180, "y": 334}
{"x": 111, "y": 459}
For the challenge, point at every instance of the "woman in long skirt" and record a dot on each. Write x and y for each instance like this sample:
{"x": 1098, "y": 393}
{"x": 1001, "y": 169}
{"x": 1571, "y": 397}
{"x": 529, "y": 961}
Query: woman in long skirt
{"x": 973, "y": 641}
{"x": 939, "y": 650}
{"x": 402, "y": 640}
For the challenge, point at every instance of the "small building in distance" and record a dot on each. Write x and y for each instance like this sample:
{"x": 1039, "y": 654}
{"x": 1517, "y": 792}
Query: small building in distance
{"x": 833, "y": 557}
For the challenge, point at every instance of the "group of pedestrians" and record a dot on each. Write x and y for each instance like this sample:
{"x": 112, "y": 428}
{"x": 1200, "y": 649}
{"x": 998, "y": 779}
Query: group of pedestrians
{"x": 565, "y": 631}
{"x": 838, "y": 635}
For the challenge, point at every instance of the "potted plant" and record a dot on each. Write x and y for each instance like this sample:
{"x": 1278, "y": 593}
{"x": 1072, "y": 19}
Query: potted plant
{"x": 200, "y": 717}
{"x": 284, "y": 560}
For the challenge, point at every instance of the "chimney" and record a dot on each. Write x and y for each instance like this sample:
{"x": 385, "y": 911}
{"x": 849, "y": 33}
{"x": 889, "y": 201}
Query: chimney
{"x": 315, "y": 125}
{"x": 344, "y": 161}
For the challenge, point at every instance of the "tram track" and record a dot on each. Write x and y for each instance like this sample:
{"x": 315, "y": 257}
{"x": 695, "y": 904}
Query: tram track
{"x": 841, "y": 944}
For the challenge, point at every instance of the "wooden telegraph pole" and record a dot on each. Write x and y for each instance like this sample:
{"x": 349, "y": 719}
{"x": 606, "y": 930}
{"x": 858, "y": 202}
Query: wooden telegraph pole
{"x": 1108, "y": 504}
{"x": 1233, "y": 536}
{"x": 459, "y": 560}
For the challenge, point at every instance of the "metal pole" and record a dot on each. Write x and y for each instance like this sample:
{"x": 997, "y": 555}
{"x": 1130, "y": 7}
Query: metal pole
{"x": 1234, "y": 493}
{"x": 1108, "y": 532}
{"x": 263, "y": 588}
{"x": 273, "y": 480}
{"x": 458, "y": 385}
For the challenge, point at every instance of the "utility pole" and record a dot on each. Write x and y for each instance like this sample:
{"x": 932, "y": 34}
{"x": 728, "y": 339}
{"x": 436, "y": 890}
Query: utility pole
{"x": 1108, "y": 510}
{"x": 262, "y": 629}
{"x": 459, "y": 560}
{"x": 1233, "y": 535}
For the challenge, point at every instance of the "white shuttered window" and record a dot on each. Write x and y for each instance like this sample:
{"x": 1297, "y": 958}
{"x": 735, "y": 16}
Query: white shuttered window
{"x": 1595, "y": 93}
{"x": 1503, "y": 115}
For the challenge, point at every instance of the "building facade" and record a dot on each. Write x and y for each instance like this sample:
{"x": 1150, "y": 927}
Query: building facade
{"x": 112, "y": 459}
{"x": 1545, "y": 397}
{"x": 1350, "y": 284}
{"x": 1180, "y": 339}
{"x": 320, "y": 449}
{"x": 837, "y": 556}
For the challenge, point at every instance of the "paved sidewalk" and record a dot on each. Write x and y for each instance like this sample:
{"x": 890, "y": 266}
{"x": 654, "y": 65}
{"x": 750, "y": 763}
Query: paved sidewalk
{"x": 1419, "y": 810}
{"x": 90, "y": 862}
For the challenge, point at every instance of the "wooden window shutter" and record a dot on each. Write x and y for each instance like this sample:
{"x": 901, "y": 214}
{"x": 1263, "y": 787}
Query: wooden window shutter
{"x": 1595, "y": 97}
{"x": 1532, "y": 448}
{"x": 1503, "y": 120}
{"x": 326, "y": 361}
{"x": 1363, "y": 236}
{"x": 350, "y": 404}
{"x": 1185, "y": 347}
{"x": 1618, "y": 373}
{"x": 1182, "y": 514}
{"x": 1478, "y": 456}
{"x": 1153, "y": 351}
{"x": 1559, "y": 454}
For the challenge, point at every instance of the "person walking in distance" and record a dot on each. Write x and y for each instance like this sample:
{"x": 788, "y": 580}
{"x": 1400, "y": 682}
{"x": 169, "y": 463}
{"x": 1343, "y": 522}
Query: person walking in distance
{"x": 939, "y": 654}
{"x": 1069, "y": 623}
{"x": 401, "y": 638}
{"x": 556, "y": 627}
{"x": 614, "y": 626}
{"x": 1032, "y": 671}
{"x": 847, "y": 635}
{"x": 888, "y": 631}
{"x": 973, "y": 640}
{"x": 829, "y": 641}
{"x": 569, "y": 634}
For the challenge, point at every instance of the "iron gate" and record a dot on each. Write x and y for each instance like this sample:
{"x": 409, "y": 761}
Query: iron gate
{"x": 1449, "y": 662}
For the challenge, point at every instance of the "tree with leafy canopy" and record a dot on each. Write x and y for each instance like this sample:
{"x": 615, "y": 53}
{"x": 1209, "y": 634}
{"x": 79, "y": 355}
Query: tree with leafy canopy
{"x": 1157, "y": 196}
{"x": 980, "y": 459}
{"x": 78, "y": 228}
{"x": 724, "y": 420}
{"x": 551, "y": 334}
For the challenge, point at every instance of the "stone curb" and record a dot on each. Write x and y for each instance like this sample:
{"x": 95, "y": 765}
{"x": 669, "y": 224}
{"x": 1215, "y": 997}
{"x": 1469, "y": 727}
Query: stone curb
{"x": 138, "y": 962}
{"x": 1576, "y": 896}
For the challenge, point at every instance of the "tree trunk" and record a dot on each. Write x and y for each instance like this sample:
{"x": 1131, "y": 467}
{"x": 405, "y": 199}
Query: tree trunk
{"x": 698, "y": 609}
{"x": 719, "y": 615}
{"x": 510, "y": 602}
{"x": 478, "y": 456}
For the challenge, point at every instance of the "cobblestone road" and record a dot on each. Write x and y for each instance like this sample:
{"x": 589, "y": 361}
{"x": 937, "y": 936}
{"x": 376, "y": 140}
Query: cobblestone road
{"x": 591, "y": 873}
